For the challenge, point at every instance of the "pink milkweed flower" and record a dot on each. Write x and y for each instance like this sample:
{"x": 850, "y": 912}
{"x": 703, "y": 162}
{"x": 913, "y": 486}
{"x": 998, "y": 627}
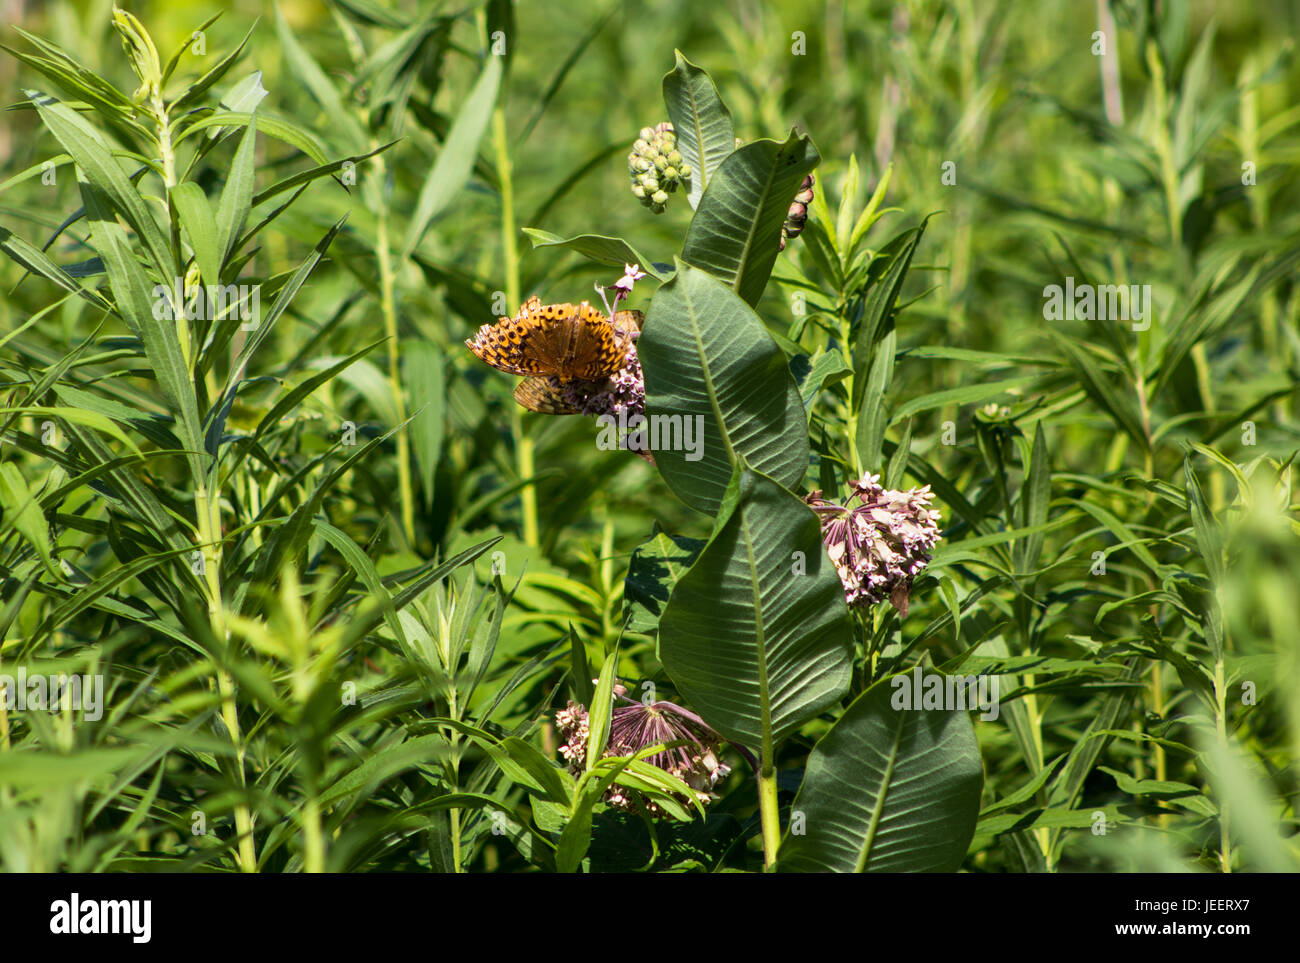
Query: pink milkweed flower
{"x": 635, "y": 726}
{"x": 631, "y": 274}
{"x": 879, "y": 545}
{"x": 622, "y": 288}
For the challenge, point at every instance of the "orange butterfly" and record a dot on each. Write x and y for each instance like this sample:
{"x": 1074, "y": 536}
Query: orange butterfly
{"x": 555, "y": 346}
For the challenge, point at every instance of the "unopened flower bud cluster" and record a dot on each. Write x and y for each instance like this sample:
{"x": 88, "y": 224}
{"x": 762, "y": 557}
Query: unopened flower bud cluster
{"x": 797, "y": 216}
{"x": 656, "y": 167}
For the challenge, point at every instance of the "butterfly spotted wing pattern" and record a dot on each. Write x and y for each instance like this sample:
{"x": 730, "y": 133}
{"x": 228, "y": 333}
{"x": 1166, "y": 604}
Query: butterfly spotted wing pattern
{"x": 572, "y": 342}
{"x": 543, "y": 396}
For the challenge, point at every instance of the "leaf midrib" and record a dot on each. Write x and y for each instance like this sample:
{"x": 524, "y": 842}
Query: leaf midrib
{"x": 753, "y": 225}
{"x": 766, "y": 756}
{"x": 707, "y": 372}
{"x": 864, "y": 853}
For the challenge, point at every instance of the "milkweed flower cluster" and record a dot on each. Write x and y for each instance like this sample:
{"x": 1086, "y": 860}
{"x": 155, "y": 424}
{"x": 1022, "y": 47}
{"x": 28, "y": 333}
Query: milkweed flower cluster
{"x": 879, "y": 544}
{"x": 655, "y": 166}
{"x": 635, "y": 726}
{"x": 621, "y": 396}
{"x": 622, "y": 393}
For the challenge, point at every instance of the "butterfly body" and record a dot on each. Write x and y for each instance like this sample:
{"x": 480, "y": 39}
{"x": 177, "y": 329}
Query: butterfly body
{"x": 556, "y": 347}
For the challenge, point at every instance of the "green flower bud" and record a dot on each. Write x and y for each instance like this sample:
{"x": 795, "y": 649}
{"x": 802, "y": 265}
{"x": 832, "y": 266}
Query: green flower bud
{"x": 655, "y": 166}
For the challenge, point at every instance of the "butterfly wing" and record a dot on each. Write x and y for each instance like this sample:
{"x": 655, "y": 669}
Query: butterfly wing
{"x": 627, "y": 321}
{"x": 596, "y": 349}
{"x": 506, "y": 344}
{"x": 571, "y": 342}
{"x": 540, "y": 395}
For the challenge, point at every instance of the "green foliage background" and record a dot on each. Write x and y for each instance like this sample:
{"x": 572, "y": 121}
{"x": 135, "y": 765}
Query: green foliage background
{"x": 1159, "y": 690}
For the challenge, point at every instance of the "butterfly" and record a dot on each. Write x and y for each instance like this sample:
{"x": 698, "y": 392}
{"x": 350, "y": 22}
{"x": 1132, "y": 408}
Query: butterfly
{"x": 556, "y": 346}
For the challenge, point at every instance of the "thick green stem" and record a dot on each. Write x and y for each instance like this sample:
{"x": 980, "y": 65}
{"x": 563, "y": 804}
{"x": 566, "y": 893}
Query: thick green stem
{"x": 313, "y": 841}
{"x": 768, "y": 813}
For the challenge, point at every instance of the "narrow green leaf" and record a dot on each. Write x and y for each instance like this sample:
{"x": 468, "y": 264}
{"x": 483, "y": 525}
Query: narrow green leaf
{"x": 450, "y": 172}
{"x": 88, "y": 149}
{"x": 423, "y": 373}
{"x": 201, "y": 229}
{"x": 237, "y": 195}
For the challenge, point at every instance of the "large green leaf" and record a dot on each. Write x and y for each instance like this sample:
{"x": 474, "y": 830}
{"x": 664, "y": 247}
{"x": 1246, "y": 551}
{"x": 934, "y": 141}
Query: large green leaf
{"x": 701, "y": 121}
{"x": 756, "y": 635}
{"x": 606, "y": 250}
{"x": 736, "y": 232}
{"x": 707, "y": 356}
{"x": 887, "y": 790}
{"x": 654, "y": 569}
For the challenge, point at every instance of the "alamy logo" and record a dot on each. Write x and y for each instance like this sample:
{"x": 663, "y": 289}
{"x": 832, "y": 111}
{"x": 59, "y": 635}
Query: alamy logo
{"x": 54, "y": 692}
{"x": 133, "y": 917}
{"x": 1091, "y": 302}
{"x": 934, "y": 690}
{"x": 655, "y": 433}
{"x": 208, "y": 302}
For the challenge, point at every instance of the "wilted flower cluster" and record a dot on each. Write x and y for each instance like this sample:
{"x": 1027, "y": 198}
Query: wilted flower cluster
{"x": 881, "y": 543}
{"x": 635, "y": 726}
{"x": 797, "y": 216}
{"x": 655, "y": 166}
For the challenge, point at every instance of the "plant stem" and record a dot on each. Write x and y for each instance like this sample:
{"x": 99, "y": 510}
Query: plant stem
{"x": 1221, "y": 727}
{"x": 208, "y": 514}
{"x": 851, "y": 416}
{"x": 769, "y": 814}
{"x": 524, "y": 465}
{"x": 387, "y": 288}
{"x": 313, "y": 856}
